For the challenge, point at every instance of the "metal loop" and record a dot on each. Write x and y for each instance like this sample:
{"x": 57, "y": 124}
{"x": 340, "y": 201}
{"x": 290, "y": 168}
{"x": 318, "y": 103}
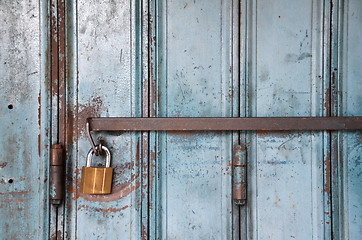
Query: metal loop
{"x": 94, "y": 148}
{"x": 99, "y": 148}
{"x": 90, "y": 154}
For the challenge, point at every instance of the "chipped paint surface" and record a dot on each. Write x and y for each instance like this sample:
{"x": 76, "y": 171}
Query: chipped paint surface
{"x": 350, "y": 151}
{"x": 107, "y": 85}
{"x": 285, "y": 170}
{"x": 23, "y": 120}
{"x": 176, "y": 185}
{"x": 192, "y": 197}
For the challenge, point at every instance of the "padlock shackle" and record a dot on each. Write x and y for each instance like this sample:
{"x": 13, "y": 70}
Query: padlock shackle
{"x": 108, "y": 156}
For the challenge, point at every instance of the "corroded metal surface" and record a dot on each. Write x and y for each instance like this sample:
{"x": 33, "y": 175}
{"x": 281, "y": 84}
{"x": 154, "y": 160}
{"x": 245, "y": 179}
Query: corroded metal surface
{"x": 239, "y": 175}
{"x": 226, "y": 124}
{"x": 191, "y": 191}
{"x": 56, "y": 174}
{"x": 182, "y": 59}
{"x": 347, "y": 160}
{"x": 107, "y": 82}
{"x": 285, "y": 61}
{"x": 24, "y": 120}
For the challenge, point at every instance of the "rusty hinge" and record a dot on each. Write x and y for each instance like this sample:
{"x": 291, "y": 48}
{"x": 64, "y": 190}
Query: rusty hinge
{"x": 57, "y": 163}
{"x": 239, "y": 175}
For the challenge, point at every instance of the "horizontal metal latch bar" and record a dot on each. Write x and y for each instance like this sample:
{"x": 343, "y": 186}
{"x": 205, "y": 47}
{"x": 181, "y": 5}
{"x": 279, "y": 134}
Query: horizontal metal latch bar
{"x": 225, "y": 124}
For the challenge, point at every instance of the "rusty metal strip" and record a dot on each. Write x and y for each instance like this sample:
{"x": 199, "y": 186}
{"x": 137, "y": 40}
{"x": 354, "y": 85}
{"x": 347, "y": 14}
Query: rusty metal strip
{"x": 58, "y": 130}
{"x": 226, "y": 124}
{"x": 61, "y": 72}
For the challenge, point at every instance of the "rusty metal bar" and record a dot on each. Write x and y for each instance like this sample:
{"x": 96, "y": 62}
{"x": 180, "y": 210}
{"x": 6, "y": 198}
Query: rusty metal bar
{"x": 226, "y": 124}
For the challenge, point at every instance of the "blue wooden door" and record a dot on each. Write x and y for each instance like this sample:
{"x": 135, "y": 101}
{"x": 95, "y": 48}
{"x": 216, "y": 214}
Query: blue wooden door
{"x": 181, "y": 59}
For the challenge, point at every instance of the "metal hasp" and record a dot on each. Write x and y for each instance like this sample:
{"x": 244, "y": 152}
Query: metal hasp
{"x": 225, "y": 124}
{"x": 57, "y": 163}
{"x": 239, "y": 175}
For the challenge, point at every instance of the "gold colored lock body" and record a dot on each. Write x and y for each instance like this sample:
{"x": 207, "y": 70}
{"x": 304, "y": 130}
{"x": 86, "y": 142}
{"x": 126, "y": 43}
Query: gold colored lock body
{"x": 97, "y": 180}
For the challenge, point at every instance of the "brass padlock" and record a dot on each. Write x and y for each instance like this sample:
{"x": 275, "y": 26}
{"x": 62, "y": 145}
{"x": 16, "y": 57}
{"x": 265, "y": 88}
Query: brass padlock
{"x": 97, "y": 180}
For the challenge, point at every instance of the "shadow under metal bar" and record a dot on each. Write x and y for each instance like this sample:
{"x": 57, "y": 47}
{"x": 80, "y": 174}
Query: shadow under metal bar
{"x": 225, "y": 124}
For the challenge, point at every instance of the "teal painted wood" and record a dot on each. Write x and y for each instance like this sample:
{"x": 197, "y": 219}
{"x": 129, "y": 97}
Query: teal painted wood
{"x": 24, "y": 120}
{"x": 350, "y": 85}
{"x": 284, "y": 77}
{"x": 192, "y": 197}
{"x": 108, "y": 84}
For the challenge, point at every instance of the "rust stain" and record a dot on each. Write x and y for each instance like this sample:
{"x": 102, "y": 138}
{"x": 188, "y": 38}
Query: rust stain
{"x": 72, "y": 189}
{"x": 106, "y": 210}
{"x": 39, "y": 123}
{"x": 262, "y": 133}
{"x": 14, "y": 200}
{"x": 61, "y": 71}
{"x": 39, "y": 145}
{"x": 113, "y": 210}
{"x": 118, "y": 192}
{"x": 144, "y": 232}
{"x": 327, "y": 170}
{"x": 186, "y": 5}
{"x": 39, "y": 110}
{"x": 145, "y": 165}
{"x": 90, "y": 109}
{"x": 138, "y": 152}
{"x": 152, "y": 94}
{"x": 59, "y": 235}
{"x": 3, "y": 164}
{"x": 186, "y": 134}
